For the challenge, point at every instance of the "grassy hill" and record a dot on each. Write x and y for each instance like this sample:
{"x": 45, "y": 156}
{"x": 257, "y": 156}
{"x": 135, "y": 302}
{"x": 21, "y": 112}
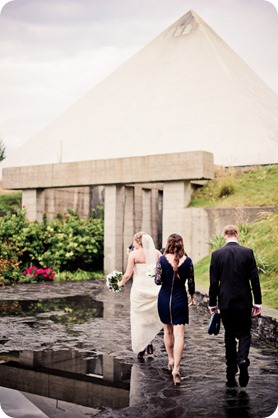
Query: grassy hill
{"x": 254, "y": 187}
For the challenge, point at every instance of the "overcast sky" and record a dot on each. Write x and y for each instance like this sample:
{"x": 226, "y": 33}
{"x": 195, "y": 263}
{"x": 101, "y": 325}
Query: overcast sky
{"x": 52, "y": 52}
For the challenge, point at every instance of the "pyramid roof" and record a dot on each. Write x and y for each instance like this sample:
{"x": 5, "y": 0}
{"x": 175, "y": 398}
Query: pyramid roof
{"x": 186, "y": 90}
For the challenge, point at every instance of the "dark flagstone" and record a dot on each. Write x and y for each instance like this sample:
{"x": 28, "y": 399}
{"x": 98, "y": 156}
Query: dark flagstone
{"x": 86, "y": 318}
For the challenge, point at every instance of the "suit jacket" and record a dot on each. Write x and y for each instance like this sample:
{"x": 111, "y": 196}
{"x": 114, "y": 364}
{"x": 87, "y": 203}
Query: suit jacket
{"x": 233, "y": 278}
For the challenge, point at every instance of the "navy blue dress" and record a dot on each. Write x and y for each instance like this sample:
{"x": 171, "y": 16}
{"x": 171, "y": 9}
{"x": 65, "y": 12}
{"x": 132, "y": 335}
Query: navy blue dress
{"x": 172, "y": 298}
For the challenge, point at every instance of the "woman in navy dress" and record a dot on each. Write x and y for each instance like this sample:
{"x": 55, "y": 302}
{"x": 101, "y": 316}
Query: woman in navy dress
{"x": 173, "y": 270}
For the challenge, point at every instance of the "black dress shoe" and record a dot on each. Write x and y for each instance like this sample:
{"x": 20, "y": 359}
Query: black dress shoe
{"x": 231, "y": 382}
{"x": 150, "y": 349}
{"x": 243, "y": 374}
{"x": 140, "y": 355}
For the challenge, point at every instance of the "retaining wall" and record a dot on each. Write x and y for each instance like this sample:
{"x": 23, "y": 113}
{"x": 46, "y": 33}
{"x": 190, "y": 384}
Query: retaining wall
{"x": 264, "y": 328}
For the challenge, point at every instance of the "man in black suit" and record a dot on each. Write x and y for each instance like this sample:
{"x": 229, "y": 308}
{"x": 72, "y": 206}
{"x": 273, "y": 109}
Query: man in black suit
{"x": 232, "y": 269}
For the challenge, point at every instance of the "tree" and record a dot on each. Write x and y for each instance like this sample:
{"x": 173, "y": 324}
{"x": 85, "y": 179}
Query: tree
{"x": 2, "y": 150}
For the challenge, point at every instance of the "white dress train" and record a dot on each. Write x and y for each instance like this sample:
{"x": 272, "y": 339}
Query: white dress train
{"x": 144, "y": 320}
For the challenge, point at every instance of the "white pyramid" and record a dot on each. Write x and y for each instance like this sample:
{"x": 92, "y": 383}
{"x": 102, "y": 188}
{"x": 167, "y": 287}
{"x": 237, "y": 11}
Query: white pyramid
{"x": 187, "y": 90}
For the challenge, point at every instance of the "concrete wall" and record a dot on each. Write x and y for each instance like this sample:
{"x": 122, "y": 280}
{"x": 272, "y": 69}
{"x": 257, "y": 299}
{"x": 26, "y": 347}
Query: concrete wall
{"x": 201, "y": 224}
{"x": 264, "y": 327}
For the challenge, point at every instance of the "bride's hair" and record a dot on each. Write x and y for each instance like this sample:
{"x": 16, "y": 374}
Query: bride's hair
{"x": 175, "y": 246}
{"x": 138, "y": 237}
{"x": 146, "y": 242}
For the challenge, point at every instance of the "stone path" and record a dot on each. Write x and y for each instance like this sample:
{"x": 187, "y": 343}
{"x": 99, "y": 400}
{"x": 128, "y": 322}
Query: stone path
{"x": 202, "y": 392}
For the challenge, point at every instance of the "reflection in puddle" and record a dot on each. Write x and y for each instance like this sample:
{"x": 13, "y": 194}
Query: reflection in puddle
{"x": 84, "y": 378}
{"x": 67, "y": 310}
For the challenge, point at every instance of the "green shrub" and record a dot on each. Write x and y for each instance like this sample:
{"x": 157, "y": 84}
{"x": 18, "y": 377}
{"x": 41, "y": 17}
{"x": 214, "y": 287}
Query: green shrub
{"x": 65, "y": 244}
{"x": 216, "y": 242}
{"x": 10, "y": 202}
{"x": 9, "y": 270}
{"x": 226, "y": 189}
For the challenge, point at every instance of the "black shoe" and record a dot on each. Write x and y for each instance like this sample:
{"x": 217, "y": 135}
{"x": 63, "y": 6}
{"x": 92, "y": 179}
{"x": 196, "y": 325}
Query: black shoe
{"x": 140, "y": 355}
{"x": 231, "y": 382}
{"x": 243, "y": 374}
{"x": 150, "y": 349}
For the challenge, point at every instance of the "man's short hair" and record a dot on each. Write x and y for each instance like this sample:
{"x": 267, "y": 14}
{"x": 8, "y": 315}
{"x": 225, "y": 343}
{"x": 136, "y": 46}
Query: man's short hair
{"x": 231, "y": 231}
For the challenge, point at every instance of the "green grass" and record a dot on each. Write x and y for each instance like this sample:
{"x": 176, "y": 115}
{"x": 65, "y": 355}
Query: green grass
{"x": 201, "y": 271}
{"x": 262, "y": 237}
{"x": 78, "y": 275}
{"x": 257, "y": 186}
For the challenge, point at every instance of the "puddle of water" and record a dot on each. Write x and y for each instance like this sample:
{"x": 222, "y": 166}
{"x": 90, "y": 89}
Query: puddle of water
{"x": 84, "y": 378}
{"x": 72, "y": 309}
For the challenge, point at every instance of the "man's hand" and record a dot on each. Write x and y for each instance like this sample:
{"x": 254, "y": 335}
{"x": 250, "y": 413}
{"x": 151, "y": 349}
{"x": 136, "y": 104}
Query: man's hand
{"x": 214, "y": 309}
{"x": 256, "y": 311}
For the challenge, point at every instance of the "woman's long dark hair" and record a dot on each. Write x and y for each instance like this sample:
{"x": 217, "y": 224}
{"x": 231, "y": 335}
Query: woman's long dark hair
{"x": 175, "y": 246}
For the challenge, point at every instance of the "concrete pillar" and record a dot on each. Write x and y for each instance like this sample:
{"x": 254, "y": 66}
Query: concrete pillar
{"x": 156, "y": 218}
{"x": 146, "y": 211}
{"x": 108, "y": 365}
{"x": 138, "y": 210}
{"x": 128, "y": 226}
{"x": 176, "y": 196}
{"x": 26, "y": 358}
{"x": 113, "y": 228}
{"x": 33, "y": 200}
{"x": 51, "y": 204}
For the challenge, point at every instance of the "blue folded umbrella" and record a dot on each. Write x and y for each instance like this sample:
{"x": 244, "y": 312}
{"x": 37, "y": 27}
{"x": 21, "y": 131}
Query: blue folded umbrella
{"x": 214, "y": 324}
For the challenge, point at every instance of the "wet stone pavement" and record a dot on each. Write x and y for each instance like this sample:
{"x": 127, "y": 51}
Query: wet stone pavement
{"x": 85, "y": 326}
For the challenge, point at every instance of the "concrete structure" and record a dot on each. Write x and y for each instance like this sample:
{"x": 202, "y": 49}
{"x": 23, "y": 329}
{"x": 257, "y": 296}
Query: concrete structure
{"x": 158, "y": 119}
{"x": 128, "y": 207}
{"x": 186, "y": 90}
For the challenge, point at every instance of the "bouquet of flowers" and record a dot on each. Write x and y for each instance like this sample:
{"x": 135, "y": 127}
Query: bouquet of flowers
{"x": 112, "y": 280}
{"x": 151, "y": 271}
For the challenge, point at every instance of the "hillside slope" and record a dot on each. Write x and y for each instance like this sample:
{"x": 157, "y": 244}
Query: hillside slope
{"x": 254, "y": 187}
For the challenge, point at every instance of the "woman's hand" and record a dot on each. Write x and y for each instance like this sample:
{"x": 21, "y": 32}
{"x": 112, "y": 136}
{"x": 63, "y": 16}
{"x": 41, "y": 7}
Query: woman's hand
{"x": 120, "y": 283}
{"x": 192, "y": 300}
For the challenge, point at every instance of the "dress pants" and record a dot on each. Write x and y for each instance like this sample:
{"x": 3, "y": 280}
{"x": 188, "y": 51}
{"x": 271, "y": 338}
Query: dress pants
{"x": 237, "y": 324}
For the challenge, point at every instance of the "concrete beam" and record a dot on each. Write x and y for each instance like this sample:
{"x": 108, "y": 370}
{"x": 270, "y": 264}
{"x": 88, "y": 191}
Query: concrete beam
{"x": 195, "y": 165}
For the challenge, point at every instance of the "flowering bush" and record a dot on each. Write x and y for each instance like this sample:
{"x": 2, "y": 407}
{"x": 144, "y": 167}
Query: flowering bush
{"x": 112, "y": 280}
{"x": 41, "y": 274}
{"x": 67, "y": 243}
{"x": 9, "y": 270}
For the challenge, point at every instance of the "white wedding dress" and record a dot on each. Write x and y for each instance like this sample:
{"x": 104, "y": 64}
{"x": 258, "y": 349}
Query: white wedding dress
{"x": 144, "y": 320}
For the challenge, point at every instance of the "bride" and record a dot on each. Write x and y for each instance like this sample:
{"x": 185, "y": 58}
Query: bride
{"x": 144, "y": 320}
